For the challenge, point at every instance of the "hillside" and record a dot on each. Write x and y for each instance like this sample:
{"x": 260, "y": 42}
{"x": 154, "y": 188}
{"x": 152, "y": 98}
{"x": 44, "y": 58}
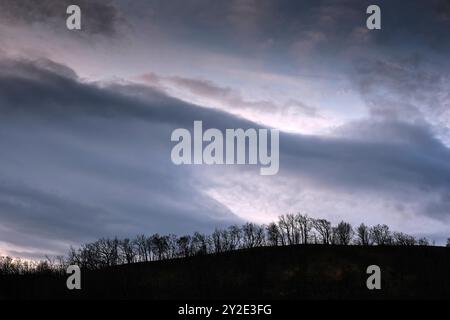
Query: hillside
{"x": 289, "y": 272}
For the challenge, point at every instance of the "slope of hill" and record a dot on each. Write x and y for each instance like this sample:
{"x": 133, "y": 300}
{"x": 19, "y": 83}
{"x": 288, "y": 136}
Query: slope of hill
{"x": 290, "y": 272}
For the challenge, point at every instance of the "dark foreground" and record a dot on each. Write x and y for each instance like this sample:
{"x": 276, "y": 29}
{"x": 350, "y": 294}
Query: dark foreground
{"x": 293, "y": 272}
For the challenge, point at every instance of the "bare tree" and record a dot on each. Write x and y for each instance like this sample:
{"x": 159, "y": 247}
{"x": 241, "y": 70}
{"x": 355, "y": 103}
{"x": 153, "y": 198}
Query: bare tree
{"x": 402, "y": 239}
{"x": 273, "y": 234}
{"x": 89, "y": 257}
{"x": 171, "y": 250}
{"x": 127, "y": 247}
{"x": 289, "y": 230}
{"x": 448, "y": 243}
{"x": 73, "y": 257}
{"x": 199, "y": 244}
{"x": 285, "y": 232}
{"x": 141, "y": 244}
{"x": 43, "y": 267}
{"x": 423, "y": 242}
{"x": 304, "y": 225}
{"x": 344, "y": 233}
{"x": 226, "y": 239}
{"x": 61, "y": 264}
{"x": 160, "y": 245}
{"x": 323, "y": 228}
{"x": 184, "y": 244}
{"x": 253, "y": 235}
{"x": 381, "y": 235}
{"x": 363, "y": 235}
{"x": 290, "y": 233}
{"x": 234, "y": 237}
{"x": 7, "y": 266}
{"x": 217, "y": 243}
{"x": 149, "y": 248}
{"x": 108, "y": 252}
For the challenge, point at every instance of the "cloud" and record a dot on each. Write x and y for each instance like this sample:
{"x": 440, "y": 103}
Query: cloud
{"x": 408, "y": 89}
{"x": 442, "y": 10}
{"x": 229, "y": 97}
{"x": 84, "y": 160}
{"x": 207, "y": 93}
{"x": 373, "y": 172}
{"x": 98, "y": 17}
{"x": 382, "y": 157}
{"x": 80, "y": 161}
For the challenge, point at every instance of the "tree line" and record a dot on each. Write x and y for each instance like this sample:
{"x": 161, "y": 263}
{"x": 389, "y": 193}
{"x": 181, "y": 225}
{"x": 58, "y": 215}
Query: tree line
{"x": 290, "y": 229}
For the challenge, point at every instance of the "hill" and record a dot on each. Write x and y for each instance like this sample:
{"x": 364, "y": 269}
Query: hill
{"x": 287, "y": 272}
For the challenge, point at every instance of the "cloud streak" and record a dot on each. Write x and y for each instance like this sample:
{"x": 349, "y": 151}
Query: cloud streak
{"x": 82, "y": 160}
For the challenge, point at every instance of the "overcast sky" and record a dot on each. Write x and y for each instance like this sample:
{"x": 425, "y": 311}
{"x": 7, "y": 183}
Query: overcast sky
{"x": 86, "y": 116}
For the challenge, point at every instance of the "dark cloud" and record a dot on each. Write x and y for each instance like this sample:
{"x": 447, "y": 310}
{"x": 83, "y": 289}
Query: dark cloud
{"x": 411, "y": 89}
{"x": 272, "y": 26}
{"x": 384, "y": 157}
{"x": 82, "y": 160}
{"x": 98, "y": 16}
{"x": 442, "y": 9}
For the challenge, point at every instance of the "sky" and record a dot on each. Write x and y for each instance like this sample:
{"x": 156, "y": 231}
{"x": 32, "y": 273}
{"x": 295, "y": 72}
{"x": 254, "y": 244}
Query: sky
{"x": 86, "y": 116}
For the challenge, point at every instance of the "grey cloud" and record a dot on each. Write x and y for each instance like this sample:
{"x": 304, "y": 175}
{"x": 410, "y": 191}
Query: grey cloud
{"x": 391, "y": 159}
{"x": 98, "y": 17}
{"x": 442, "y": 10}
{"x": 287, "y": 22}
{"x": 81, "y": 160}
{"x": 47, "y": 212}
{"x": 411, "y": 89}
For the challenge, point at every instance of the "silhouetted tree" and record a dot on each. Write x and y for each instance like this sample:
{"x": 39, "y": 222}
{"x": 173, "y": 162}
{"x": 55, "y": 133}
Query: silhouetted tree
{"x": 73, "y": 257}
{"x": 172, "y": 249}
{"x": 381, "y": 235}
{"x": 158, "y": 246}
{"x": 273, "y": 235}
{"x": 363, "y": 235}
{"x": 127, "y": 248}
{"x": 289, "y": 230}
{"x": 324, "y": 229}
{"x": 89, "y": 256}
{"x": 290, "y": 233}
{"x": 304, "y": 225}
{"x": 107, "y": 250}
{"x": 7, "y": 266}
{"x": 233, "y": 237}
{"x": 226, "y": 239}
{"x": 252, "y": 235}
{"x": 402, "y": 239}
{"x": 217, "y": 242}
{"x": 184, "y": 244}
{"x": 423, "y": 242}
{"x": 343, "y": 233}
{"x": 142, "y": 244}
{"x": 200, "y": 243}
